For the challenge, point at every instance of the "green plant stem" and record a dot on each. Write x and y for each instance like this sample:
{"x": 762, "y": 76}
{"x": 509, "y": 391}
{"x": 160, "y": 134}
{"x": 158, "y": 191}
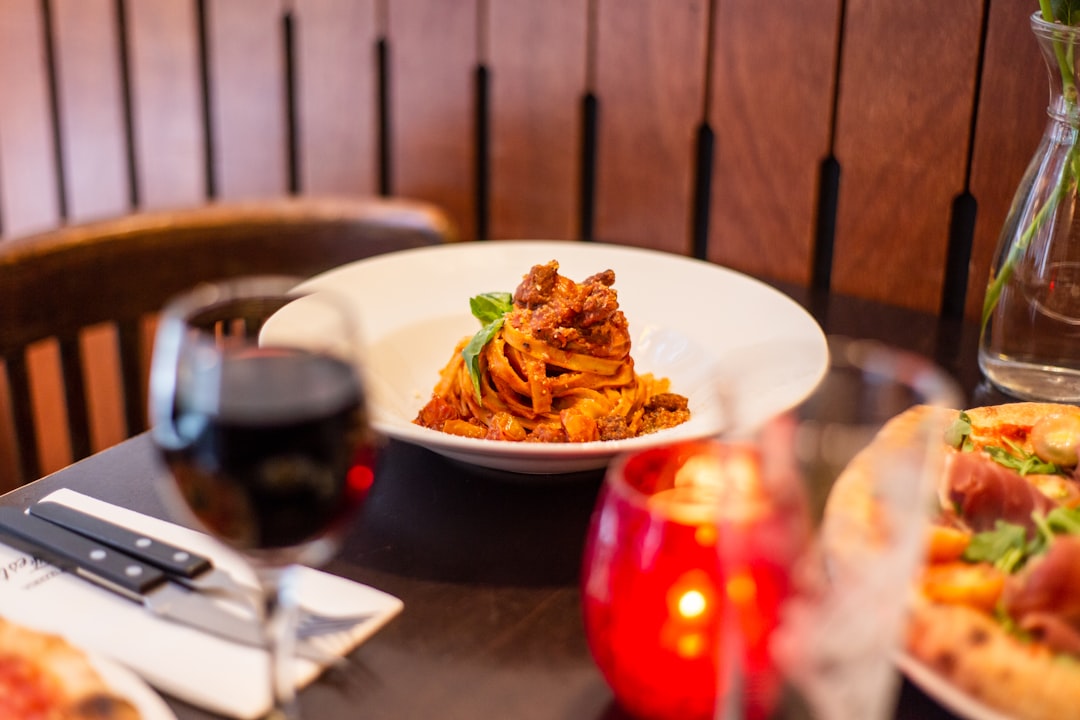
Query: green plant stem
{"x": 1066, "y": 182}
{"x": 997, "y": 284}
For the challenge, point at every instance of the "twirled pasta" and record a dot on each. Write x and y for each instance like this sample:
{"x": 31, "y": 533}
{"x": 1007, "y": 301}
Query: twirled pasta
{"x": 557, "y": 370}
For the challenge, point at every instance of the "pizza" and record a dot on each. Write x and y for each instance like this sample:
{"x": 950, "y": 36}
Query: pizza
{"x": 995, "y": 607}
{"x": 44, "y": 677}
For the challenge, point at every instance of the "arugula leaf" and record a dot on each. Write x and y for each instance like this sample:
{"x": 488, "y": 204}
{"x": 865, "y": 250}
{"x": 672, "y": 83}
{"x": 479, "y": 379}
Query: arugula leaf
{"x": 1064, "y": 521}
{"x": 1018, "y": 459}
{"x": 958, "y": 433}
{"x": 1006, "y": 546}
{"x": 490, "y": 309}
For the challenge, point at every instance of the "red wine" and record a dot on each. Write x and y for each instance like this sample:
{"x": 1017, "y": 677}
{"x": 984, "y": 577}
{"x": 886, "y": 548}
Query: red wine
{"x": 276, "y": 449}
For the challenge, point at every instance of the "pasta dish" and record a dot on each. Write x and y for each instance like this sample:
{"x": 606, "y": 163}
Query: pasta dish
{"x": 551, "y": 364}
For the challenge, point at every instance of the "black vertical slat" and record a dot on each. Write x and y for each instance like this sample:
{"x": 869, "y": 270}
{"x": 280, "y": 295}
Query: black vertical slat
{"x": 52, "y": 72}
{"x": 382, "y": 65}
{"x": 703, "y": 168}
{"x": 482, "y": 140}
{"x": 209, "y": 158}
{"x": 964, "y": 208}
{"x": 705, "y": 144}
{"x": 828, "y": 181}
{"x": 22, "y": 417}
{"x": 958, "y": 255}
{"x": 292, "y": 123}
{"x": 130, "y": 357}
{"x": 590, "y": 116}
{"x": 590, "y": 119}
{"x": 825, "y": 224}
{"x": 75, "y": 397}
{"x": 124, "y": 57}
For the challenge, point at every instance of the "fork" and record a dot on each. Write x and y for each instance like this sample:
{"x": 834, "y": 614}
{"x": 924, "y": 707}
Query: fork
{"x": 312, "y": 624}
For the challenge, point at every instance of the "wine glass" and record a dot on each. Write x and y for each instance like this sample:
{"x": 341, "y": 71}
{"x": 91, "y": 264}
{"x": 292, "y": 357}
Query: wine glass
{"x": 257, "y": 408}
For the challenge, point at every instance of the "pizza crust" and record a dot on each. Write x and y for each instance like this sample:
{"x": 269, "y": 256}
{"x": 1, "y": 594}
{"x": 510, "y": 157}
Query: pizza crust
{"x": 966, "y": 647}
{"x": 852, "y": 517}
{"x": 973, "y": 653}
{"x": 79, "y": 691}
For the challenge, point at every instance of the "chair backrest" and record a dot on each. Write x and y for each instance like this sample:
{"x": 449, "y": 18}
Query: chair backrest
{"x": 90, "y": 289}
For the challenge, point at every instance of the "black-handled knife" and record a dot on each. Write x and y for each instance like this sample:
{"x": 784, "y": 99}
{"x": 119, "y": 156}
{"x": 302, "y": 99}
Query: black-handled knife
{"x": 125, "y": 575}
{"x": 185, "y": 566}
{"x": 173, "y": 560}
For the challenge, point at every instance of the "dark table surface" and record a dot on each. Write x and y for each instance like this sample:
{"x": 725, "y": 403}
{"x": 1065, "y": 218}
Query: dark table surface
{"x": 488, "y": 568}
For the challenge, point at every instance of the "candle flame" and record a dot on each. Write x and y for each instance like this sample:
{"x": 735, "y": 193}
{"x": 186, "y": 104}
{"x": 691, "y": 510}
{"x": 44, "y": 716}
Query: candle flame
{"x": 692, "y": 604}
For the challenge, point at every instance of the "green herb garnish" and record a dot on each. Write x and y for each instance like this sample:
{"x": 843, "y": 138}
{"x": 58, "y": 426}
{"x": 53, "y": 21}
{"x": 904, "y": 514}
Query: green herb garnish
{"x": 958, "y": 433}
{"x": 490, "y": 309}
{"x": 1006, "y": 547}
{"x": 1020, "y": 460}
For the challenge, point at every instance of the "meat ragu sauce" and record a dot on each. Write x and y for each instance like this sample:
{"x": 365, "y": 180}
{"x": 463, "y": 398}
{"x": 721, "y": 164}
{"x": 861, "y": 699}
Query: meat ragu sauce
{"x": 557, "y": 368}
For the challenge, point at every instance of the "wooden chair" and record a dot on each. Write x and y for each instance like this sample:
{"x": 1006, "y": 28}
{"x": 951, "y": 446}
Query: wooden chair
{"x": 56, "y": 286}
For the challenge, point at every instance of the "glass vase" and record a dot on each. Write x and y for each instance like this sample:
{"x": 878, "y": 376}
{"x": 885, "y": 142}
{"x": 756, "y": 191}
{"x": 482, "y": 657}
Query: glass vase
{"x": 1030, "y": 341}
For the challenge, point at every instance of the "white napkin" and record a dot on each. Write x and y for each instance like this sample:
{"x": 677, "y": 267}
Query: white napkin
{"x": 213, "y": 673}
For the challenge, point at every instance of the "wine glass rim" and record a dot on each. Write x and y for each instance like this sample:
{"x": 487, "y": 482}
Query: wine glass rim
{"x": 929, "y": 383}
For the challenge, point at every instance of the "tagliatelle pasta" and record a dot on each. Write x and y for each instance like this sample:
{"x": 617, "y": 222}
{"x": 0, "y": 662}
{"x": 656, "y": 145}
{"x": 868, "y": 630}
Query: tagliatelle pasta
{"x": 555, "y": 366}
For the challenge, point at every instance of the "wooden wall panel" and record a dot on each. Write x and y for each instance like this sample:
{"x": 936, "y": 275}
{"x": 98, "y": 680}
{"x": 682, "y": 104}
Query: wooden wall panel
{"x": 28, "y": 181}
{"x": 907, "y": 91}
{"x": 247, "y": 98}
{"x": 1012, "y": 115}
{"x": 91, "y": 109}
{"x": 338, "y": 91}
{"x": 537, "y": 52}
{"x": 771, "y": 110}
{"x": 169, "y": 137}
{"x": 433, "y": 56}
{"x": 650, "y": 72}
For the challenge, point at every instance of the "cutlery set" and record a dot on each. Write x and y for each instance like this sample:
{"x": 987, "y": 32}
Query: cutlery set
{"x": 172, "y": 583}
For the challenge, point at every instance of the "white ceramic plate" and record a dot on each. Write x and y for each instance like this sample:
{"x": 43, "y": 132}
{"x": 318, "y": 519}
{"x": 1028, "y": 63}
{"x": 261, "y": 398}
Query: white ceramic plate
{"x": 703, "y": 326}
{"x": 945, "y": 692}
{"x": 127, "y": 684}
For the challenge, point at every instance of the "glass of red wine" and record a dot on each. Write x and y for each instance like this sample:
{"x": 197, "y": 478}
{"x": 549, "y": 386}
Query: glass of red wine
{"x": 257, "y": 408}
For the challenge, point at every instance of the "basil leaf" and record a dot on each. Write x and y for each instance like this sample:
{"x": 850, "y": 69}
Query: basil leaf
{"x": 1005, "y": 546}
{"x": 490, "y": 307}
{"x": 471, "y": 352}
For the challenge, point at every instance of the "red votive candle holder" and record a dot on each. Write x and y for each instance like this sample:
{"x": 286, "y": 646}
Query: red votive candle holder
{"x": 687, "y": 564}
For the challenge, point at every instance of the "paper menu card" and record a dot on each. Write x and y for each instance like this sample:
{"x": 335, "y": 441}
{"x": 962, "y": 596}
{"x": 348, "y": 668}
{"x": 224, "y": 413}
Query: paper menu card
{"x": 213, "y": 673}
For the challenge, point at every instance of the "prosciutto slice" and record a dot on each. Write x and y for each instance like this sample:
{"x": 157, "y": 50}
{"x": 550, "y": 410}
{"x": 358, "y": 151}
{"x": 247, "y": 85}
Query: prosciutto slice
{"x": 1044, "y": 597}
{"x": 983, "y": 491}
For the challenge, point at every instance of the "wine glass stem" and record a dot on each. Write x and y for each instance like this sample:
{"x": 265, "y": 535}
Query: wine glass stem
{"x": 279, "y": 623}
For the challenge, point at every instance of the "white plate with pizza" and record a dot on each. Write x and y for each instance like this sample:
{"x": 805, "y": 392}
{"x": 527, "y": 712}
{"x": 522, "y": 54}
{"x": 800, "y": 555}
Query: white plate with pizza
{"x": 693, "y": 322}
{"x": 994, "y": 621}
{"x": 938, "y": 687}
{"x": 42, "y": 674}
